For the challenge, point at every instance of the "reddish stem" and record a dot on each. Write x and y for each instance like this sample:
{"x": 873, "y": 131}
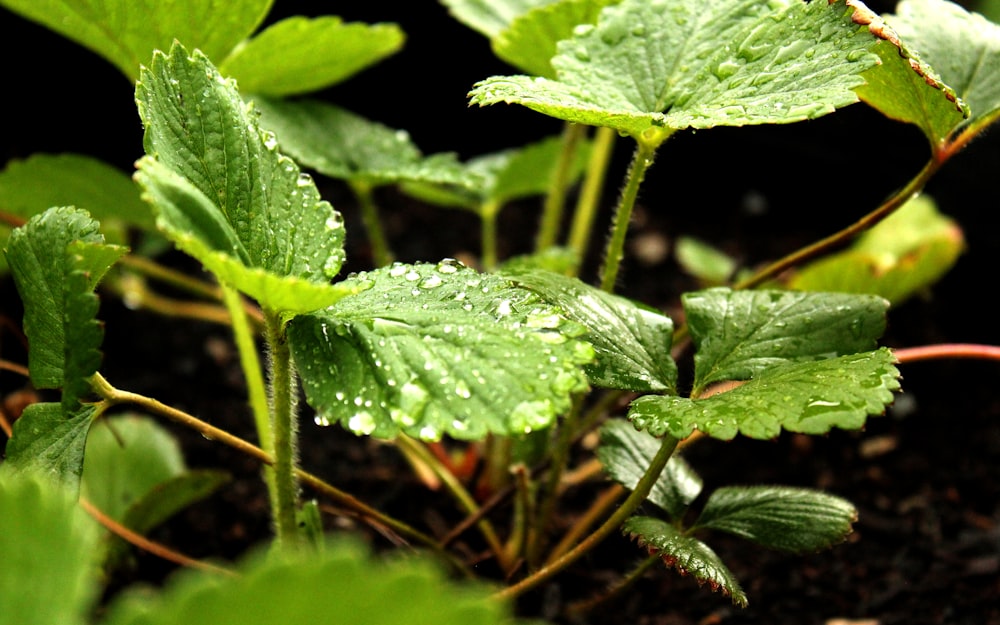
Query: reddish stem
{"x": 947, "y": 350}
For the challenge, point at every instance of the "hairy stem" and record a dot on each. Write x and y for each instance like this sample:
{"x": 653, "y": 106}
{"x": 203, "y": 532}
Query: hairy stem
{"x": 555, "y": 199}
{"x": 283, "y": 429}
{"x": 381, "y": 253}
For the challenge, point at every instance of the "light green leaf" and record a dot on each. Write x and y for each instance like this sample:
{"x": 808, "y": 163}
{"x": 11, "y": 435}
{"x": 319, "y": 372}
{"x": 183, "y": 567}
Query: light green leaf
{"x": 50, "y": 441}
{"x": 901, "y": 256}
{"x": 779, "y": 517}
{"x": 740, "y": 334}
{"x": 626, "y": 454}
{"x": 963, "y": 47}
{"x": 298, "y": 54}
{"x": 806, "y": 397}
{"x": 431, "y": 350}
{"x": 661, "y": 66}
{"x": 688, "y": 555}
{"x": 529, "y": 42}
{"x": 224, "y": 194}
{"x": 125, "y": 32}
{"x": 489, "y": 17}
{"x": 340, "y": 144}
{"x": 632, "y": 341}
{"x": 341, "y": 584}
{"x": 57, "y": 259}
{"x": 50, "y": 553}
{"x": 703, "y": 261}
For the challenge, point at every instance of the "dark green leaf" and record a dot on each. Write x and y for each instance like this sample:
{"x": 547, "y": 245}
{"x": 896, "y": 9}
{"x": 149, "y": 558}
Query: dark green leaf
{"x": 49, "y": 441}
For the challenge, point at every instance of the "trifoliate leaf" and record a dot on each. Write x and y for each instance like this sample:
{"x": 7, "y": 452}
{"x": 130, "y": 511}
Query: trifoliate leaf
{"x": 529, "y": 42}
{"x": 340, "y": 144}
{"x": 50, "y": 554}
{"x": 779, "y": 517}
{"x": 224, "y": 194}
{"x": 430, "y": 350}
{"x": 904, "y": 254}
{"x": 339, "y": 584}
{"x": 50, "y": 441}
{"x": 739, "y": 334}
{"x": 626, "y": 454}
{"x": 298, "y": 55}
{"x": 489, "y": 17}
{"x": 664, "y": 65}
{"x": 806, "y": 397}
{"x": 632, "y": 341}
{"x": 57, "y": 258}
{"x": 688, "y": 555}
{"x": 125, "y": 32}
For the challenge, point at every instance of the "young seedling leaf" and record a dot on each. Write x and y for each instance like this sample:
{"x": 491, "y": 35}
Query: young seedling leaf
{"x": 489, "y": 17}
{"x": 298, "y": 54}
{"x": 779, "y": 517}
{"x": 57, "y": 258}
{"x": 529, "y": 42}
{"x": 626, "y": 454}
{"x": 680, "y": 64}
{"x": 632, "y": 341}
{"x": 431, "y": 350}
{"x": 963, "y": 47}
{"x": 224, "y": 194}
{"x": 340, "y": 144}
{"x": 903, "y": 255}
{"x": 739, "y": 334}
{"x": 688, "y": 555}
{"x": 125, "y": 32}
{"x": 807, "y": 397}
{"x": 50, "y": 552}
{"x": 340, "y": 584}
{"x": 49, "y": 441}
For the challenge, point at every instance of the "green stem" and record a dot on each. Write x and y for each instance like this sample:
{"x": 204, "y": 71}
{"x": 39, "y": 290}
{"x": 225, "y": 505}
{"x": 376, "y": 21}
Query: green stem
{"x": 489, "y": 212}
{"x": 590, "y": 192}
{"x": 630, "y": 505}
{"x": 587, "y": 605}
{"x": 381, "y": 253}
{"x": 615, "y": 251}
{"x": 560, "y": 457}
{"x": 555, "y": 200}
{"x": 283, "y": 428}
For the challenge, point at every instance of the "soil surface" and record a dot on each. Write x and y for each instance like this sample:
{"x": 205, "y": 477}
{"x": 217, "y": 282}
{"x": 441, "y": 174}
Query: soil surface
{"x": 925, "y": 478}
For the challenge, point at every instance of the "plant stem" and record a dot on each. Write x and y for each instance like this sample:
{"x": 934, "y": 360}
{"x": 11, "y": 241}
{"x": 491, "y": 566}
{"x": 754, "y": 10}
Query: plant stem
{"x": 615, "y": 251}
{"x": 947, "y": 350}
{"x": 588, "y": 605}
{"x": 590, "y": 192}
{"x": 550, "y": 493}
{"x": 381, "y": 253}
{"x": 597, "y": 509}
{"x": 613, "y": 522}
{"x": 283, "y": 429}
{"x": 835, "y": 240}
{"x": 489, "y": 213}
{"x": 555, "y": 199}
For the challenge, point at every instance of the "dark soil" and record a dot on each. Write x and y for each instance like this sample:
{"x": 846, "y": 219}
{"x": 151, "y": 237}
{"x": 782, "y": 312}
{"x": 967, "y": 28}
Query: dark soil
{"x": 925, "y": 478}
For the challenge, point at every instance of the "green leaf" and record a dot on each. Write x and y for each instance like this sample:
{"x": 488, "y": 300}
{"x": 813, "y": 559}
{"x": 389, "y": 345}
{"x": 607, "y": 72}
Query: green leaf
{"x": 298, "y": 55}
{"x": 963, "y": 47}
{"x": 439, "y": 349}
{"x": 626, "y": 454}
{"x": 125, "y": 32}
{"x": 340, "y": 584}
{"x": 224, "y": 194}
{"x": 50, "y": 552}
{"x": 688, "y": 555}
{"x": 779, "y": 517}
{"x": 632, "y": 341}
{"x": 340, "y": 144}
{"x": 806, "y": 397}
{"x": 649, "y": 66}
{"x": 57, "y": 259}
{"x": 903, "y": 255}
{"x": 489, "y": 17}
{"x": 49, "y": 441}
{"x": 739, "y": 334}
{"x": 529, "y": 42}
{"x": 703, "y": 261}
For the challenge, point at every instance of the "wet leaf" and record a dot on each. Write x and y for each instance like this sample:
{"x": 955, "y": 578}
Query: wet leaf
{"x": 489, "y": 17}
{"x": 632, "y": 341}
{"x": 224, "y": 194}
{"x": 688, "y": 555}
{"x": 626, "y": 454}
{"x": 806, "y": 397}
{"x": 430, "y": 350}
{"x": 903, "y": 255}
{"x": 660, "y": 66}
{"x": 48, "y": 440}
{"x": 779, "y": 517}
{"x": 298, "y": 54}
{"x": 739, "y": 334}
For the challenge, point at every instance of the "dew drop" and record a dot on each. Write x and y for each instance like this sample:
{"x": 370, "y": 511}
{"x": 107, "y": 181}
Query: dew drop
{"x": 362, "y": 423}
